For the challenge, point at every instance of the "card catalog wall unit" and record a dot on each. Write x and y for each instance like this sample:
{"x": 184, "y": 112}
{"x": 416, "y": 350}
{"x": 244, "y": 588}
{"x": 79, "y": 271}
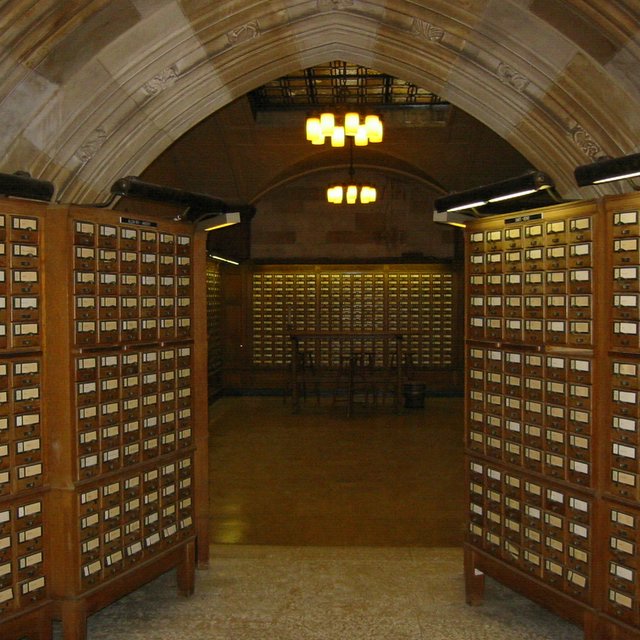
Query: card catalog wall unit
{"x": 552, "y": 424}
{"x": 25, "y": 596}
{"x": 103, "y": 411}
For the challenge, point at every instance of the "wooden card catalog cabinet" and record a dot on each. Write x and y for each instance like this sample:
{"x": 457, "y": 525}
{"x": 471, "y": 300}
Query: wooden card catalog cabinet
{"x": 537, "y": 384}
{"x": 98, "y": 318}
{"x": 24, "y": 584}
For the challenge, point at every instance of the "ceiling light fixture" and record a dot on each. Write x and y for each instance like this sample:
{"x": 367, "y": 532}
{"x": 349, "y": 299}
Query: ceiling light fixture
{"x": 351, "y": 193}
{"x": 608, "y": 170}
{"x": 361, "y": 131}
{"x": 512, "y": 188}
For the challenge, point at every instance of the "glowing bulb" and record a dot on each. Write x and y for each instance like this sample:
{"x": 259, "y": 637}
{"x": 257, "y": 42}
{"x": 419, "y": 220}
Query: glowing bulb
{"x": 352, "y": 194}
{"x": 337, "y": 137}
{"x": 374, "y": 129}
{"x": 327, "y": 123}
{"x": 313, "y": 128}
{"x": 334, "y": 194}
{"x": 351, "y": 123}
{"x": 361, "y": 139}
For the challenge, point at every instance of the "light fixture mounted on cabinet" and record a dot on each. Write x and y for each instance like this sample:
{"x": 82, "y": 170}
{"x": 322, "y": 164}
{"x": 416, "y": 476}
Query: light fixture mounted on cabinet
{"x": 212, "y": 221}
{"x": 608, "y": 170}
{"x": 360, "y": 130}
{"x": 512, "y": 188}
{"x": 352, "y": 192}
{"x": 21, "y": 185}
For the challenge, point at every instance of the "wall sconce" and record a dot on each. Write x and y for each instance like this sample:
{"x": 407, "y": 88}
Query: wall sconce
{"x": 22, "y": 185}
{"x": 608, "y": 170}
{"x": 133, "y": 187}
{"x": 211, "y": 221}
{"x": 512, "y": 188}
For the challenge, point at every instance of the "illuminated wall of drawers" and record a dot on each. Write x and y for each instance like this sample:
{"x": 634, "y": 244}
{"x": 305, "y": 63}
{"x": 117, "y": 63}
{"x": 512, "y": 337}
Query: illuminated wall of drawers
{"x": 552, "y": 404}
{"x": 417, "y": 301}
{"x": 98, "y": 412}
{"x": 23, "y": 557}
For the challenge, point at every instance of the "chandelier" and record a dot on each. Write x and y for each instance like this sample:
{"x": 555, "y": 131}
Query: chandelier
{"x": 352, "y": 127}
{"x": 352, "y": 192}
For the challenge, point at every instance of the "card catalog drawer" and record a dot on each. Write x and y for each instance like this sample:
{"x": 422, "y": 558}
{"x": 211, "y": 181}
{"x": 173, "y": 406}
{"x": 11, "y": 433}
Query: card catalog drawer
{"x": 533, "y": 235}
{"x": 625, "y": 223}
{"x": 580, "y": 255}
{"x": 148, "y": 241}
{"x": 166, "y": 264}
{"x": 167, "y": 243}
{"x": 128, "y": 238}
{"x": 167, "y": 285}
{"x": 580, "y": 280}
{"x": 84, "y": 233}
{"x": 107, "y": 284}
{"x": 625, "y": 430}
{"x": 533, "y": 282}
{"x": 128, "y": 262}
{"x": 626, "y": 333}
{"x": 31, "y": 591}
{"x": 626, "y": 306}
{"x": 25, "y": 334}
{"x": 85, "y": 283}
{"x": 24, "y": 229}
{"x": 513, "y": 283}
{"x": 580, "y": 229}
{"x": 107, "y": 260}
{"x": 624, "y": 483}
{"x": 533, "y": 306}
{"x": 626, "y": 279}
{"x": 183, "y": 244}
{"x": 556, "y": 306}
{"x": 513, "y": 260}
{"x": 129, "y": 284}
{"x": 534, "y": 259}
{"x": 107, "y": 236}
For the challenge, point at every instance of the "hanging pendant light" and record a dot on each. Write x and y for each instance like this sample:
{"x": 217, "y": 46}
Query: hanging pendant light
{"x": 352, "y": 192}
{"x": 363, "y": 131}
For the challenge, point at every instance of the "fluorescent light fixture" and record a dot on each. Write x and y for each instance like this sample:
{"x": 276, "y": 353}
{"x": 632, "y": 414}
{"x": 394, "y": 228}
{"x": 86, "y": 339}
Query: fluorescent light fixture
{"x": 608, "y": 170}
{"x": 468, "y": 205}
{"x": 209, "y": 222}
{"x": 221, "y": 259}
{"x": 509, "y": 196}
{"x": 523, "y": 185}
{"x": 22, "y": 185}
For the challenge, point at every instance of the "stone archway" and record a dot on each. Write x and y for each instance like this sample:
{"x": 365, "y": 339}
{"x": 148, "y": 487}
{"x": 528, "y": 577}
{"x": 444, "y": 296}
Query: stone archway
{"x": 82, "y": 117}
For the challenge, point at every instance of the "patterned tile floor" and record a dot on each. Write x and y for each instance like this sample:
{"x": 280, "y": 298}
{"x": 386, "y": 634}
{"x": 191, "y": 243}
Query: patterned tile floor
{"x": 326, "y": 593}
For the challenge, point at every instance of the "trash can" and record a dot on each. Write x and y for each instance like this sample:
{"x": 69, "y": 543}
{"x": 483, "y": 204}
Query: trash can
{"x": 414, "y": 393}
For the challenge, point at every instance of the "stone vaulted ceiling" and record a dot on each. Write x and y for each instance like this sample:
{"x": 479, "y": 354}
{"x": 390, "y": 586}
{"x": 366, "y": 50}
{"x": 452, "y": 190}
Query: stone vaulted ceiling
{"x": 95, "y": 90}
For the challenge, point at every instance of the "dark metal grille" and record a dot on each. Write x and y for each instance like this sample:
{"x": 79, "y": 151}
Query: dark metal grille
{"x": 340, "y": 84}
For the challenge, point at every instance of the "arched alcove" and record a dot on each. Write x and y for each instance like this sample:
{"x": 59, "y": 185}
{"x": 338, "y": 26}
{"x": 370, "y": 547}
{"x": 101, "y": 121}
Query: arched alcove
{"x": 103, "y": 99}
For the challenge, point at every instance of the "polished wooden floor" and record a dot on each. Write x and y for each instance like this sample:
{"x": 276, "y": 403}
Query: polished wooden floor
{"x": 319, "y": 477}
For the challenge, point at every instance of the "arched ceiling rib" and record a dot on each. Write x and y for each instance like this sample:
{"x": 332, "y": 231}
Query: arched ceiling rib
{"x": 90, "y": 99}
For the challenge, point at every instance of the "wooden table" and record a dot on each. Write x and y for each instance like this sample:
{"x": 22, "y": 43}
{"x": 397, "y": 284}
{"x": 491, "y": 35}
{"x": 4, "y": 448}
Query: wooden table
{"x": 391, "y": 356}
